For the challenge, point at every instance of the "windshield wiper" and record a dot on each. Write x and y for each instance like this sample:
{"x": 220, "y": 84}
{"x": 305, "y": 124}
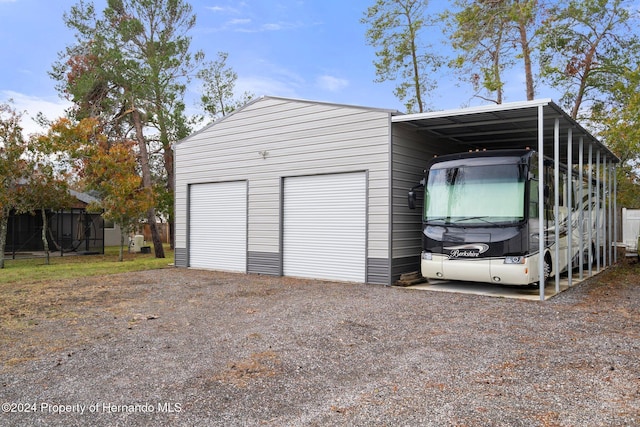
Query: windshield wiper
{"x": 438, "y": 219}
{"x": 472, "y": 218}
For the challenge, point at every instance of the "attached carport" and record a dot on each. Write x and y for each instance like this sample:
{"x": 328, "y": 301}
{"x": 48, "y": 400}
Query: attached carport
{"x": 543, "y": 126}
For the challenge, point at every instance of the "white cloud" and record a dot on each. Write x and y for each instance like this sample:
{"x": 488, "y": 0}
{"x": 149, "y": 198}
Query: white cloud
{"x": 31, "y": 106}
{"x": 272, "y": 27}
{"x": 239, "y": 22}
{"x": 221, "y": 9}
{"x": 236, "y": 25}
{"x": 262, "y": 85}
{"x": 331, "y": 83}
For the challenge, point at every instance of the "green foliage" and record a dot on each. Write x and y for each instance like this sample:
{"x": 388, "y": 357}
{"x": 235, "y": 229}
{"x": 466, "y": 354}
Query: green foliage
{"x": 14, "y": 168}
{"x": 394, "y": 28}
{"x": 620, "y": 123}
{"x": 164, "y": 200}
{"x": 219, "y": 82}
{"x": 586, "y": 45}
{"x": 44, "y": 190}
{"x": 129, "y": 69}
{"x": 489, "y": 38}
{"x": 123, "y": 198}
{"x": 47, "y": 186}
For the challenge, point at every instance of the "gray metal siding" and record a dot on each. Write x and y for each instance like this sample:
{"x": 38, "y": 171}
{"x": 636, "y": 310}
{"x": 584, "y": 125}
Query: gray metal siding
{"x": 265, "y": 263}
{"x": 180, "y": 257}
{"x": 411, "y": 152}
{"x": 272, "y": 138}
{"x": 378, "y": 271}
{"x": 404, "y": 265}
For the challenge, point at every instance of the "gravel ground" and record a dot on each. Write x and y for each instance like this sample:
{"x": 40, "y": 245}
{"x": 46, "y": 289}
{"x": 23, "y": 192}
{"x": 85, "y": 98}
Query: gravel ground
{"x": 187, "y": 347}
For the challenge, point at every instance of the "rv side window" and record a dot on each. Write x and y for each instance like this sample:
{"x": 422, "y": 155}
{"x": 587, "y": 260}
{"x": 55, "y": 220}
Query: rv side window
{"x": 533, "y": 199}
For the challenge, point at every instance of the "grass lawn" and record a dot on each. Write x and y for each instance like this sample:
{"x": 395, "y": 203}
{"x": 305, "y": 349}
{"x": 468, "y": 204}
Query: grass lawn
{"x": 34, "y": 270}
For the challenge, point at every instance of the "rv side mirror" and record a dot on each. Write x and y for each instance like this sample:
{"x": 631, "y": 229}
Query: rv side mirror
{"x": 412, "y": 199}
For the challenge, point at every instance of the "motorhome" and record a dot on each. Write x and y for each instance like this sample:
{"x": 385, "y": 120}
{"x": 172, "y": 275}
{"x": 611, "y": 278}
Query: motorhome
{"x": 481, "y": 218}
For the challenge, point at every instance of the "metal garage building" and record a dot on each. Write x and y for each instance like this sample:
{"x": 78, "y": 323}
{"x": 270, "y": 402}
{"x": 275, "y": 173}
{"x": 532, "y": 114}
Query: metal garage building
{"x": 311, "y": 189}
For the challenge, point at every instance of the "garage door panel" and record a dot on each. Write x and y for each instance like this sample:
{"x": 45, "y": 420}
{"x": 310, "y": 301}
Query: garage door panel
{"x": 324, "y": 232}
{"x": 218, "y": 226}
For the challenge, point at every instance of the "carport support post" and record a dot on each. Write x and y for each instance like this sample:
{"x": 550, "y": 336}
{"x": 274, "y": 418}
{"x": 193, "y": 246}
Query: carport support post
{"x": 615, "y": 210}
{"x": 590, "y": 212}
{"x": 556, "y": 200}
{"x": 581, "y": 204}
{"x": 612, "y": 238}
{"x": 541, "y": 230}
{"x": 570, "y": 203}
{"x": 605, "y": 213}
{"x": 598, "y": 213}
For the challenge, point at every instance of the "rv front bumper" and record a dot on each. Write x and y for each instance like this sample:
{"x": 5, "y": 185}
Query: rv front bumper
{"x": 495, "y": 270}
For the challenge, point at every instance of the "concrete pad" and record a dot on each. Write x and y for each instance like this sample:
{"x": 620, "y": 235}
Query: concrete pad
{"x": 530, "y": 293}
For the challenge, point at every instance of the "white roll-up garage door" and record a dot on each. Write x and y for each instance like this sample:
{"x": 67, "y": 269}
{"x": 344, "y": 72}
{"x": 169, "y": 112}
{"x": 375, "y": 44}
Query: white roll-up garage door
{"x": 218, "y": 226}
{"x": 324, "y": 226}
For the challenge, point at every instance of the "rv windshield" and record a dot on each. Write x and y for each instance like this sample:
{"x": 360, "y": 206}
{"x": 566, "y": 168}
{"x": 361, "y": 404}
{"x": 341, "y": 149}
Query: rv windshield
{"x": 479, "y": 195}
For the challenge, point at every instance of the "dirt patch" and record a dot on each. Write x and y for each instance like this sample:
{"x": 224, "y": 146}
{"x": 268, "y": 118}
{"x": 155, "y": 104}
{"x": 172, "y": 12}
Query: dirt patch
{"x": 45, "y": 317}
{"x": 258, "y": 365}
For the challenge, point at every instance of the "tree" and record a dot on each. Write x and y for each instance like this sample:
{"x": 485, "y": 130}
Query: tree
{"x": 123, "y": 198}
{"x": 490, "y": 36}
{"x": 130, "y": 68}
{"x": 587, "y": 45}
{"x": 620, "y": 129}
{"x": 44, "y": 190}
{"x": 47, "y": 186}
{"x": 480, "y": 39}
{"x": 395, "y": 27}
{"x": 13, "y": 167}
{"x": 106, "y": 166}
{"x": 219, "y": 82}
{"x": 157, "y": 34}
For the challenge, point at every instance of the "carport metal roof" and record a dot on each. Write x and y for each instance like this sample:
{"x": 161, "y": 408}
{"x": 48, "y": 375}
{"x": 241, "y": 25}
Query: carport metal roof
{"x": 510, "y": 125}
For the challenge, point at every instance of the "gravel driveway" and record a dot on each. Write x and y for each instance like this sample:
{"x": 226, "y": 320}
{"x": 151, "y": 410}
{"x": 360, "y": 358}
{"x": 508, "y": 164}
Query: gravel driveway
{"x": 187, "y": 347}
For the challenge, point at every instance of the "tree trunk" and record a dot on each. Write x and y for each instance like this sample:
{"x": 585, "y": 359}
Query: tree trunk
{"x": 167, "y": 157}
{"x": 416, "y": 77}
{"x": 4, "y": 219}
{"x": 526, "y": 56}
{"x": 497, "y": 73}
{"x": 45, "y": 243}
{"x": 171, "y": 187}
{"x": 172, "y": 233}
{"x": 121, "y": 253}
{"x": 588, "y": 63}
{"x": 146, "y": 181}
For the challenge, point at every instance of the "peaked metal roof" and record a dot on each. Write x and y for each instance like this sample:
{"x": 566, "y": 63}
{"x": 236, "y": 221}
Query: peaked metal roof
{"x": 267, "y": 97}
{"x": 507, "y": 126}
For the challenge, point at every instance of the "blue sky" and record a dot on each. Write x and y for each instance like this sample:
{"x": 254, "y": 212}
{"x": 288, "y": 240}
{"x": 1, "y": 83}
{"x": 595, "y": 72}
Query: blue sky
{"x": 309, "y": 49}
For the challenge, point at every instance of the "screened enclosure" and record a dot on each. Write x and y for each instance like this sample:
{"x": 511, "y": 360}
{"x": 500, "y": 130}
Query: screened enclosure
{"x": 70, "y": 230}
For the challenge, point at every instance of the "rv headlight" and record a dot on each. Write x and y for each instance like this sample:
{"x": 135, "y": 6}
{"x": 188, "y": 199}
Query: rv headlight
{"x": 427, "y": 256}
{"x": 514, "y": 260}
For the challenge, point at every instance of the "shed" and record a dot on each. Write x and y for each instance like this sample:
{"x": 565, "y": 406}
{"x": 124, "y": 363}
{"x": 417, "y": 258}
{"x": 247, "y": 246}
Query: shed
{"x": 319, "y": 190}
